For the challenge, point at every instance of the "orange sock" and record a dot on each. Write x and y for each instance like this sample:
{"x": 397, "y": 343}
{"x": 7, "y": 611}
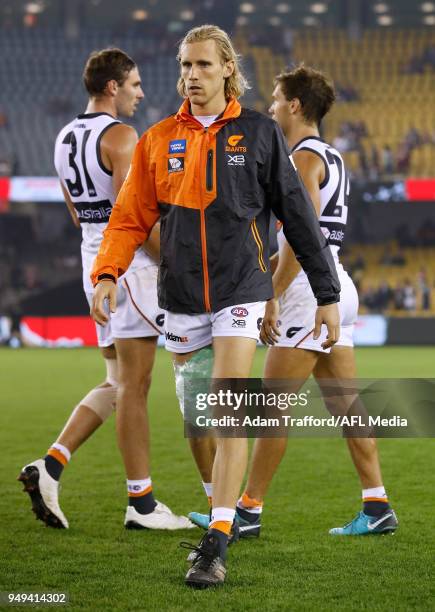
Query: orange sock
{"x": 249, "y": 503}
{"x": 224, "y": 526}
{"x": 58, "y": 455}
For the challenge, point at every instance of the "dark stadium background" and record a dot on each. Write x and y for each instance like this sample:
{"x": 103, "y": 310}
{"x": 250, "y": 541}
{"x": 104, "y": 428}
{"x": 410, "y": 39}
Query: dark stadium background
{"x": 381, "y": 56}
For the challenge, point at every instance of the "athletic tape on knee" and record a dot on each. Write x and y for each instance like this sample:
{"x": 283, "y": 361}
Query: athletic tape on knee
{"x": 112, "y": 372}
{"x": 199, "y": 366}
{"x": 101, "y": 400}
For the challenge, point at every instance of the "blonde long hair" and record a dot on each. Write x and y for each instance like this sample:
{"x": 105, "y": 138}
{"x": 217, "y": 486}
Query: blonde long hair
{"x": 236, "y": 83}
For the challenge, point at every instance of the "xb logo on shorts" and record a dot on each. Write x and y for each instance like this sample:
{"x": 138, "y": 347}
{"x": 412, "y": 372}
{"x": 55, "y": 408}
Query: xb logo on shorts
{"x": 239, "y": 323}
{"x": 175, "y": 164}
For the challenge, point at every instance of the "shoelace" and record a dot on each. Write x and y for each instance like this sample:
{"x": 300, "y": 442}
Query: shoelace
{"x": 204, "y": 558}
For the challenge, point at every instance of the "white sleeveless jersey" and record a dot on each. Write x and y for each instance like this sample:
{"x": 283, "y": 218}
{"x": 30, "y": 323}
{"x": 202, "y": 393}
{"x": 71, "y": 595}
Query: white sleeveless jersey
{"x": 334, "y": 192}
{"x": 78, "y": 162}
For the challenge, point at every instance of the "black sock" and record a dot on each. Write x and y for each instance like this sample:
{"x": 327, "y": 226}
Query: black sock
{"x": 144, "y": 504}
{"x": 222, "y": 539}
{"x": 53, "y": 466}
{"x": 375, "y": 508}
{"x": 251, "y": 517}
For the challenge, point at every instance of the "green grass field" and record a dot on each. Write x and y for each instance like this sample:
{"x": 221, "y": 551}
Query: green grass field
{"x": 295, "y": 565}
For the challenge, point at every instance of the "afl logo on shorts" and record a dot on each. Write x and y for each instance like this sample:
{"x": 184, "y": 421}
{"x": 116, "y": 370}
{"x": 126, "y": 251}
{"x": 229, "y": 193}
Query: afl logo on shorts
{"x": 239, "y": 311}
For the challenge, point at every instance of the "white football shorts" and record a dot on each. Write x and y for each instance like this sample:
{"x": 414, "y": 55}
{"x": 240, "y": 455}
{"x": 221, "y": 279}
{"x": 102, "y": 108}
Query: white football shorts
{"x": 185, "y": 333}
{"x": 137, "y": 313}
{"x": 297, "y": 313}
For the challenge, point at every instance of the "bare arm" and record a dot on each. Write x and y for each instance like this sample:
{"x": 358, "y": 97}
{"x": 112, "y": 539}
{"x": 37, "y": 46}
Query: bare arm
{"x": 117, "y": 147}
{"x": 72, "y": 211}
{"x": 273, "y": 262}
{"x": 312, "y": 171}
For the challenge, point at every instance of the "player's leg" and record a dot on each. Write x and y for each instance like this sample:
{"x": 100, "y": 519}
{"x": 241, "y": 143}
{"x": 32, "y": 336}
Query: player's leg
{"x": 233, "y": 357}
{"x": 135, "y": 363}
{"x": 196, "y": 364}
{"x": 295, "y": 365}
{"x": 94, "y": 408}
{"x": 41, "y": 477}
{"x": 189, "y": 340}
{"x": 377, "y": 515}
{"x": 136, "y": 326}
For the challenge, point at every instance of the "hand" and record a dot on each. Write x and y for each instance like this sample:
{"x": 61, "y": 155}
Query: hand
{"x": 330, "y": 316}
{"x": 106, "y": 289}
{"x": 269, "y": 327}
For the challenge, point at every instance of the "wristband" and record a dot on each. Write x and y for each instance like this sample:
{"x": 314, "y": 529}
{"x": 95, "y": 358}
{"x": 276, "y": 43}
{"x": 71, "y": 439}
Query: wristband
{"x": 106, "y": 277}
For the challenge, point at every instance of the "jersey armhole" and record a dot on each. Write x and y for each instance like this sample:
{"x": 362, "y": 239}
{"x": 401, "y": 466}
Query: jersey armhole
{"x": 99, "y": 158}
{"x": 326, "y": 179}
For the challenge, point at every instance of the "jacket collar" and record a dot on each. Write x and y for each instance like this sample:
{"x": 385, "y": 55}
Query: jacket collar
{"x": 232, "y": 111}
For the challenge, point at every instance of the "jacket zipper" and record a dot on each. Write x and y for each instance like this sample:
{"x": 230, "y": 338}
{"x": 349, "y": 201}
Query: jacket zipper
{"x": 209, "y": 171}
{"x": 202, "y": 218}
{"x": 259, "y": 243}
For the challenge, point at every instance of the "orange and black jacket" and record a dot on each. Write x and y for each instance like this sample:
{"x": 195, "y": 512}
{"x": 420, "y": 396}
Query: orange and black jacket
{"x": 213, "y": 190}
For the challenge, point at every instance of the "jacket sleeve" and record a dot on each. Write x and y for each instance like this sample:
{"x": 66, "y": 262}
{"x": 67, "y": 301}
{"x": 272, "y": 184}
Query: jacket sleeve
{"x": 293, "y": 207}
{"x": 132, "y": 218}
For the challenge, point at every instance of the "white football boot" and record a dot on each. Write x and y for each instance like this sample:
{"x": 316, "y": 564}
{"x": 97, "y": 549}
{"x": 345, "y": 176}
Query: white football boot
{"x": 160, "y": 518}
{"x": 44, "y": 492}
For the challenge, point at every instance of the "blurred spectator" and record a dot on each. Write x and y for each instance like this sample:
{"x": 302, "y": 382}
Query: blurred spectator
{"x": 429, "y": 56}
{"x": 392, "y": 257}
{"x": 409, "y": 297}
{"x": 417, "y": 63}
{"x": 414, "y": 66}
{"x": 3, "y": 119}
{"x": 403, "y": 157}
{"x": 426, "y": 233}
{"x": 387, "y": 160}
{"x": 398, "y": 296}
{"x": 5, "y": 166}
{"x": 31, "y": 277}
{"x": 375, "y": 164}
{"x": 350, "y": 135}
{"x": 368, "y": 298}
{"x": 384, "y": 295}
{"x": 363, "y": 165}
{"x": 413, "y": 138}
{"x": 377, "y": 299}
{"x": 424, "y": 290}
{"x": 346, "y": 93}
